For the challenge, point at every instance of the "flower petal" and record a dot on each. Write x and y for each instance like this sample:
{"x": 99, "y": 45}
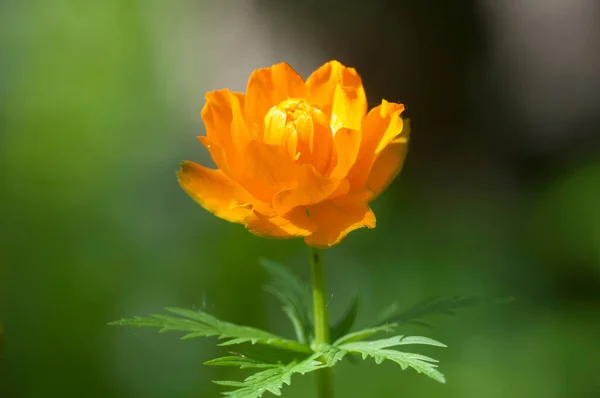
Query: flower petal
{"x": 278, "y": 131}
{"x": 347, "y": 143}
{"x": 295, "y": 223}
{"x": 268, "y": 169}
{"x": 267, "y": 87}
{"x": 338, "y": 91}
{"x": 380, "y": 127}
{"x": 386, "y": 167}
{"x": 391, "y": 113}
{"x": 216, "y": 153}
{"x": 225, "y": 126}
{"x": 242, "y": 198}
{"x": 337, "y": 218}
{"x": 311, "y": 188}
{"x": 212, "y": 189}
{"x": 349, "y": 108}
{"x": 315, "y": 142}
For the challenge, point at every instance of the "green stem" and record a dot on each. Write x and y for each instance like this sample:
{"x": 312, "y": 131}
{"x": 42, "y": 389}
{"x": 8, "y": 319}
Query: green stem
{"x": 321, "y": 320}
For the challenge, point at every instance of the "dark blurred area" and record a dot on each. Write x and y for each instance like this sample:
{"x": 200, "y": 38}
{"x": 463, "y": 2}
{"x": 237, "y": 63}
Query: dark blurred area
{"x": 500, "y": 194}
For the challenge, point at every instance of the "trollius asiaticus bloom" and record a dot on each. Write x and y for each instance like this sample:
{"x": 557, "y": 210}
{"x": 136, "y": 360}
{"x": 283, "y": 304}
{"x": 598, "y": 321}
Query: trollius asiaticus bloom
{"x": 297, "y": 158}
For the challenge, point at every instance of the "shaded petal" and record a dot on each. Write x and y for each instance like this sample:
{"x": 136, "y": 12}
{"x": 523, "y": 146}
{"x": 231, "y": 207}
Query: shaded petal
{"x": 339, "y": 92}
{"x": 386, "y": 167}
{"x": 342, "y": 190}
{"x": 311, "y": 188}
{"x": 212, "y": 189}
{"x": 225, "y": 126}
{"x": 337, "y": 218}
{"x": 244, "y": 198}
{"x": 216, "y": 153}
{"x": 268, "y": 169}
{"x": 217, "y": 114}
{"x": 347, "y": 143}
{"x": 315, "y": 142}
{"x": 267, "y": 87}
{"x": 380, "y": 127}
{"x": 295, "y": 223}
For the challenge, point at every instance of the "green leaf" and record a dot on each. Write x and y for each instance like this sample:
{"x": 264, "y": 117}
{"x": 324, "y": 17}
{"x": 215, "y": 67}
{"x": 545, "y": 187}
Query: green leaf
{"x": 347, "y": 322}
{"x": 333, "y": 355}
{"x": 378, "y": 350}
{"x": 294, "y": 295}
{"x": 395, "y": 341}
{"x": 271, "y": 380}
{"x": 267, "y": 354}
{"x": 435, "y": 306}
{"x": 201, "y": 324}
{"x": 364, "y": 334}
{"x": 241, "y": 362}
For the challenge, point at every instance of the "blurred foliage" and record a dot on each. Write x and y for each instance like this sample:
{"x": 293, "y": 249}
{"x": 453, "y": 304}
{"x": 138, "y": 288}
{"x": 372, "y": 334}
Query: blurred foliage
{"x": 95, "y": 228}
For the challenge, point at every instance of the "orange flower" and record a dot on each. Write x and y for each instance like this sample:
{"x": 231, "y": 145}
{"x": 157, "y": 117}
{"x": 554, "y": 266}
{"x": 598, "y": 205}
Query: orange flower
{"x": 296, "y": 158}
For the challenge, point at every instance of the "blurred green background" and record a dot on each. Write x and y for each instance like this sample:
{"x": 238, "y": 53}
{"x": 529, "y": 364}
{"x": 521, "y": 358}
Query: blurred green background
{"x": 500, "y": 194}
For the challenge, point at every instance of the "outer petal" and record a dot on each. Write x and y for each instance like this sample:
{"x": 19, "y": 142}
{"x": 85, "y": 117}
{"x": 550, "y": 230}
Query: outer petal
{"x": 242, "y": 198}
{"x": 268, "y": 87}
{"x": 212, "y": 189}
{"x": 380, "y": 127}
{"x": 295, "y": 223}
{"x": 386, "y": 167}
{"x": 268, "y": 169}
{"x": 245, "y": 199}
{"x": 390, "y": 113}
{"x": 339, "y": 92}
{"x": 217, "y": 114}
{"x": 311, "y": 188}
{"x": 349, "y": 108}
{"x": 337, "y": 218}
{"x": 225, "y": 126}
{"x": 216, "y": 153}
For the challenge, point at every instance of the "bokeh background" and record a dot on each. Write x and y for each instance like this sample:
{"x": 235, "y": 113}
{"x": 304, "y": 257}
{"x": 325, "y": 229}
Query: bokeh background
{"x": 500, "y": 194}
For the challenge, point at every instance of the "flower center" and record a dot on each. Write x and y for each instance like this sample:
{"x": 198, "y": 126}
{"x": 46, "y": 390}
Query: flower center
{"x": 303, "y": 131}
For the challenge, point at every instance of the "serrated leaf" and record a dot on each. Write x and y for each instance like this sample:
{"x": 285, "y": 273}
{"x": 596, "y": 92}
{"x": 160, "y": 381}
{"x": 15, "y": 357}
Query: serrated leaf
{"x": 364, "y": 334}
{"x": 387, "y": 313}
{"x": 421, "y": 340}
{"x": 346, "y": 323}
{"x": 299, "y": 322}
{"x": 240, "y": 362}
{"x": 435, "y": 306}
{"x": 268, "y": 354}
{"x": 201, "y": 324}
{"x": 395, "y": 341}
{"x": 333, "y": 355}
{"x": 228, "y": 383}
{"x": 379, "y": 351}
{"x": 294, "y": 295}
{"x": 271, "y": 380}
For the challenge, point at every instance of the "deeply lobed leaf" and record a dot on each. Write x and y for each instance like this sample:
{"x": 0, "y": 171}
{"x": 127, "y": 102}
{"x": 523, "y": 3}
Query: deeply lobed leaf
{"x": 347, "y": 321}
{"x": 271, "y": 380}
{"x": 295, "y": 297}
{"x": 241, "y": 362}
{"x": 434, "y": 306}
{"x": 201, "y": 324}
{"x": 364, "y": 334}
{"x": 378, "y": 350}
